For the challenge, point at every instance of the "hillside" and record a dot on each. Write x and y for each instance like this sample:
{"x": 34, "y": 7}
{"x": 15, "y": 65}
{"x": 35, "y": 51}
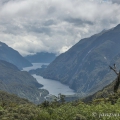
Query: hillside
{"x": 10, "y": 55}
{"x": 84, "y": 67}
{"x": 20, "y": 83}
{"x": 108, "y": 91}
{"x": 42, "y": 57}
{"x": 95, "y": 107}
{"x": 10, "y": 98}
{"x": 14, "y": 108}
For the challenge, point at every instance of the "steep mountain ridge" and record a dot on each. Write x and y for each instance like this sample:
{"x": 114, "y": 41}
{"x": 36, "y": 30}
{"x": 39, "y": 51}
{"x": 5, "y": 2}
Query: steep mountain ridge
{"x": 85, "y": 65}
{"x": 10, "y": 55}
{"x": 21, "y": 83}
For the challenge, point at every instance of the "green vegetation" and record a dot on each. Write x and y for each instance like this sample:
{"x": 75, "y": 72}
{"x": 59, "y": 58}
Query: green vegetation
{"x": 92, "y": 74}
{"x": 14, "y": 108}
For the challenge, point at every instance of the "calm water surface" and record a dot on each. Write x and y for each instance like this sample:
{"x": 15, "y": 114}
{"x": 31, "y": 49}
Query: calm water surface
{"x": 54, "y": 87}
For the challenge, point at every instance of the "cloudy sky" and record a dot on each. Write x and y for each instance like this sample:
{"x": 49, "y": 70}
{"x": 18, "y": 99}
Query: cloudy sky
{"x": 31, "y": 26}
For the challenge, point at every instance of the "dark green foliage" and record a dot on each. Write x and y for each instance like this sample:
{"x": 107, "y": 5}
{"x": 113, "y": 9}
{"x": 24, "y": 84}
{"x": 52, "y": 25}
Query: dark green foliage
{"x": 117, "y": 83}
{"x": 79, "y": 117}
{"x": 45, "y": 104}
{"x": 13, "y": 107}
{"x": 20, "y": 109}
{"x": 10, "y": 99}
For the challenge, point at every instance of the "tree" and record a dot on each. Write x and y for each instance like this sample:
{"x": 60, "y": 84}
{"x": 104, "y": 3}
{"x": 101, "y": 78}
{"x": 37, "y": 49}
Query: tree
{"x": 62, "y": 98}
{"x": 117, "y": 82}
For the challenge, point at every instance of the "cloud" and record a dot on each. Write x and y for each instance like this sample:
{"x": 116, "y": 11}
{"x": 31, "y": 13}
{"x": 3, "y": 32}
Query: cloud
{"x": 53, "y": 25}
{"x": 116, "y": 1}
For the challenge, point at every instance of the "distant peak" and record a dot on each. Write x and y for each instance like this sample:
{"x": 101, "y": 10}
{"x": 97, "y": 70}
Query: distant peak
{"x": 117, "y": 27}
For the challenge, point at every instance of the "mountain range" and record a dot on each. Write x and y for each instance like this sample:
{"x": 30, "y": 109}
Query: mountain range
{"x": 85, "y": 66}
{"x": 10, "y": 55}
{"x": 41, "y": 57}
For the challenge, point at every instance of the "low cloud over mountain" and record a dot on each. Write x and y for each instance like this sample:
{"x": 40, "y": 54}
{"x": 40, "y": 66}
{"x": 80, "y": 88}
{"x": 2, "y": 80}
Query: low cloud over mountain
{"x": 53, "y": 26}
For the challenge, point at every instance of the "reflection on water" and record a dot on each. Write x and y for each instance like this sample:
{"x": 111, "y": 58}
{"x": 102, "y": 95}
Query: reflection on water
{"x": 54, "y": 87}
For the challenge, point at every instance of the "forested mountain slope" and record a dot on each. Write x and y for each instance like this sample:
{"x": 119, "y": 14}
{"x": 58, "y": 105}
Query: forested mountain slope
{"x": 10, "y": 55}
{"x": 20, "y": 83}
{"x": 85, "y": 67}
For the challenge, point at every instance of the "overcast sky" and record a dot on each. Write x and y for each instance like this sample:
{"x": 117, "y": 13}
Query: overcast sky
{"x": 31, "y": 26}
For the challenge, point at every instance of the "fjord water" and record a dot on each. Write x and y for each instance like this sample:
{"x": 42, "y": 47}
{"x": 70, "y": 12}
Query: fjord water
{"x": 54, "y": 87}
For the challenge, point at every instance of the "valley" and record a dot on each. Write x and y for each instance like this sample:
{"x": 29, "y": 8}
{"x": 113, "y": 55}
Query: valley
{"x": 81, "y": 71}
{"x": 20, "y": 83}
{"x": 85, "y": 66}
{"x": 82, "y": 74}
{"x": 60, "y": 60}
{"x": 54, "y": 87}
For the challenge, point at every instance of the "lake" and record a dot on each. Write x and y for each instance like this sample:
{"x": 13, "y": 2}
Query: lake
{"x": 54, "y": 87}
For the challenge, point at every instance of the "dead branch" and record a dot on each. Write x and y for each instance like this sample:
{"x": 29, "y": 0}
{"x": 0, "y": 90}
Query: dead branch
{"x": 117, "y": 82}
{"x": 114, "y": 69}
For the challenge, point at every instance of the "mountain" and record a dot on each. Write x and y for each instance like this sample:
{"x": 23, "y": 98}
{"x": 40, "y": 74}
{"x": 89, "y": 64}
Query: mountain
{"x": 85, "y": 67}
{"x": 42, "y": 57}
{"x": 106, "y": 92}
{"x": 12, "y": 56}
{"x": 21, "y": 83}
